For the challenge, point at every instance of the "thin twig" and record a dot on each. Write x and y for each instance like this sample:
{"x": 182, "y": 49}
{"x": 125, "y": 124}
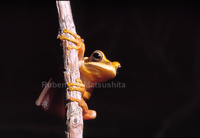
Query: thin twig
{"x": 74, "y": 118}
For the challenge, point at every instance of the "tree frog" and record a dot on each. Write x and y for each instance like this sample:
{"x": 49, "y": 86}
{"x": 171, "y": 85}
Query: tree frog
{"x": 94, "y": 69}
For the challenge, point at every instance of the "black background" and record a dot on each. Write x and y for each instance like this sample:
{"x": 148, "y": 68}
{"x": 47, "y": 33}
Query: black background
{"x": 157, "y": 44}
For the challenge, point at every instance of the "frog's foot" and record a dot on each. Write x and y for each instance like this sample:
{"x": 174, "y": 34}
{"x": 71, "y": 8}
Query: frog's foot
{"x": 81, "y": 103}
{"x": 81, "y": 88}
{"x": 78, "y": 41}
{"x": 87, "y": 114}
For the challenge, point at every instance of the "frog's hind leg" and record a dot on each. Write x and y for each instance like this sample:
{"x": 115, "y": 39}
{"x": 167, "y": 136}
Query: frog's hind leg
{"x": 91, "y": 114}
{"x": 81, "y": 103}
{"x": 87, "y": 114}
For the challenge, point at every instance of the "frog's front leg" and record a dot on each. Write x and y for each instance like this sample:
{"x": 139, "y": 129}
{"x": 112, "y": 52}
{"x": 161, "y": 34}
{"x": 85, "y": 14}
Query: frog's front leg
{"x": 78, "y": 41}
{"x": 87, "y": 114}
{"x": 81, "y": 87}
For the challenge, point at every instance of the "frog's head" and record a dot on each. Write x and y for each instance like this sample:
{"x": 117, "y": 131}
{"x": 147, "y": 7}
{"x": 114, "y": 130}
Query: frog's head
{"x": 98, "y": 68}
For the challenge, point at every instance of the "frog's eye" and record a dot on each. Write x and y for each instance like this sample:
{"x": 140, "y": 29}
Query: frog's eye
{"x": 96, "y": 56}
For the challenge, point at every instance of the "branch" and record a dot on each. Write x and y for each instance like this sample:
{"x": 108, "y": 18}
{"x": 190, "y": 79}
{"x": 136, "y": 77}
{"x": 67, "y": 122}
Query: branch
{"x": 74, "y": 118}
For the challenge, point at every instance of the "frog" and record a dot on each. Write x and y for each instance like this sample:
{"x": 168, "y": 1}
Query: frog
{"x": 93, "y": 70}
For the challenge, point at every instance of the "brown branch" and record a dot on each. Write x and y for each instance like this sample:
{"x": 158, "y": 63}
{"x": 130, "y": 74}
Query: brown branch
{"x": 74, "y": 118}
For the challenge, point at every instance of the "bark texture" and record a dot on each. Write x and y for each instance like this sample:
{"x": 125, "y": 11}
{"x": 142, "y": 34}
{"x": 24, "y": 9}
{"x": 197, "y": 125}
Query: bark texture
{"x": 74, "y": 118}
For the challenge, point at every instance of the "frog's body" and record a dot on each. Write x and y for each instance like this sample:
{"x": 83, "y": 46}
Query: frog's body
{"x": 94, "y": 69}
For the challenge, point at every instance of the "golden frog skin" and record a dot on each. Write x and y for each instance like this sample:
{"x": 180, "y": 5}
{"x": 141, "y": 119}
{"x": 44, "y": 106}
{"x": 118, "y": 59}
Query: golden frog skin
{"x": 94, "y": 69}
